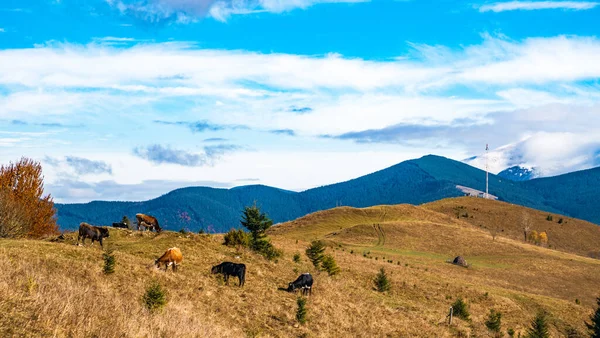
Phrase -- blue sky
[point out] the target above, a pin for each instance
(124, 99)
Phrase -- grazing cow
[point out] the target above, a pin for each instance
(94, 233)
(231, 269)
(304, 282)
(171, 256)
(148, 222)
(120, 225)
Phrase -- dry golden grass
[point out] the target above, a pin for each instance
(572, 235)
(58, 289)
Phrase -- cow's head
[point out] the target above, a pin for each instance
(291, 287)
(215, 269)
(103, 232)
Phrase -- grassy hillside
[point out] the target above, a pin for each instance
(58, 289)
(507, 220)
(427, 179)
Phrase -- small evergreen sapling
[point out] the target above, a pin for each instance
(155, 297)
(315, 253)
(594, 325)
(301, 311)
(330, 265)
(494, 322)
(381, 281)
(461, 310)
(109, 261)
(539, 327)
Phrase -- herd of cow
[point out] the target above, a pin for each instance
(173, 256)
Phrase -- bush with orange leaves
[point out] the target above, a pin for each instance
(24, 211)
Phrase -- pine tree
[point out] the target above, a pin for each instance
(315, 253)
(257, 223)
(460, 309)
(539, 327)
(328, 264)
(301, 311)
(381, 281)
(494, 322)
(594, 326)
(109, 261)
(155, 297)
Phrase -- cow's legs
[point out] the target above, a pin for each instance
(226, 279)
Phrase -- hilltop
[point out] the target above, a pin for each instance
(57, 288)
(419, 181)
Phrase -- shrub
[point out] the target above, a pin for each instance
(510, 332)
(534, 237)
(594, 325)
(543, 238)
(301, 311)
(381, 281)
(296, 258)
(539, 327)
(109, 261)
(460, 309)
(494, 322)
(314, 252)
(577, 301)
(24, 210)
(183, 231)
(560, 221)
(549, 218)
(265, 248)
(330, 265)
(155, 297)
(237, 238)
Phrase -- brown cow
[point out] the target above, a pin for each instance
(171, 256)
(94, 233)
(148, 222)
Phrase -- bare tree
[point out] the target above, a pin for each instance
(494, 233)
(526, 222)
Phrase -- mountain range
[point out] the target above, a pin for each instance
(418, 181)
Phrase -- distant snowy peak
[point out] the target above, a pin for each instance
(518, 173)
(539, 155)
(499, 159)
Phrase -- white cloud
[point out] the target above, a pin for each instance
(185, 11)
(498, 91)
(2, 30)
(537, 5)
(497, 61)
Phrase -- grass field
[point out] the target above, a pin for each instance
(58, 289)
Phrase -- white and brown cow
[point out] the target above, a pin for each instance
(172, 256)
(148, 222)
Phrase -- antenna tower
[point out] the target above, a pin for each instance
(486, 172)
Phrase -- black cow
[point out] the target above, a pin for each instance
(120, 225)
(304, 282)
(94, 233)
(231, 269)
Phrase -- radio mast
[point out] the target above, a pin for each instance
(486, 172)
